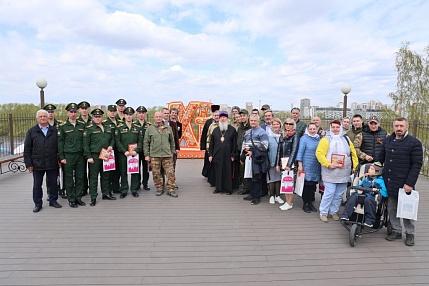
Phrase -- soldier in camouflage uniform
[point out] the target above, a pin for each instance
(143, 124)
(158, 146)
(86, 120)
(113, 122)
(128, 133)
(50, 108)
(95, 137)
(70, 153)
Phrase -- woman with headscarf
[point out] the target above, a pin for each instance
(273, 176)
(337, 156)
(288, 147)
(307, 162)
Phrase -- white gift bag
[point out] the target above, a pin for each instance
(133, 164)
(299, 184)
(248, 168)
(408, 205)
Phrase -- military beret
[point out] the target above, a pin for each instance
(121, 102)
(97, 111)
(141, 108)
(71, 107)
(129, 110)
(49, 107)
(111, 107)
(84, 104)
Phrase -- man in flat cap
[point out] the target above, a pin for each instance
(96, 137)
(85, 119)
(113, 122)
(128, 143)
(121, 103)
(143, 124)
(70, 153)
(222, 153)
(203, 140)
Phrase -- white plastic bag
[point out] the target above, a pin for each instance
(408, 205)
(248, 168)
(287, 182)
(299, 184)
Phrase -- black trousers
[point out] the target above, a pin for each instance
(37, 186)
(308, 192)
(255, 188)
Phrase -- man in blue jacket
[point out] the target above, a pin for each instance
(402, 155)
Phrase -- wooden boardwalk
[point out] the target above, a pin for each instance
(197, 239)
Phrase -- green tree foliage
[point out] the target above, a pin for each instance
(411, 99)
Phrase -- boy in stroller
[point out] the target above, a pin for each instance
(373, 180)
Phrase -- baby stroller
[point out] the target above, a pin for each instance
(355, 225)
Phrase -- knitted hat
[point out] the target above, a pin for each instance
(378, 168)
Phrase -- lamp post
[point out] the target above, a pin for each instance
(346, 90)
(42, 83)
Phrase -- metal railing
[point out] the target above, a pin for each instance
(14, 127)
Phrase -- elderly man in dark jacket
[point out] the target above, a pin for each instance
(402, 155)
(40, 157)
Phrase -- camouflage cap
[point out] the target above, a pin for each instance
(244, 111)
(129, 110)
(97, 111)
(141, 108)
(121, 102)
(374, 119)
(72, 107)
(83, 104)
(111, 107)
(50, 107)
(265, 107)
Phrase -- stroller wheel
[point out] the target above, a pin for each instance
(353, 236)
(389, 228)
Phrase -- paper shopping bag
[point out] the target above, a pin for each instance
(299, 184)
(287, 183)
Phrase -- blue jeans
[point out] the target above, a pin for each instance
(331, 199)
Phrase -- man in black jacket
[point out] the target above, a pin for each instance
(368, 142)
(40, 157)
(402, 155)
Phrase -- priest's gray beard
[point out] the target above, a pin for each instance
(223, 126)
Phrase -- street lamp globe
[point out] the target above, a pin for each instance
(41, 83)
(345, 89)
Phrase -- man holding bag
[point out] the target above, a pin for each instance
(402, 155)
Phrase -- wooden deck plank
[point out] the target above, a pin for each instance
(197, 239)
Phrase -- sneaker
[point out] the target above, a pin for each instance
(335, 217)
(344, 218)
(172, 194)
(272, 200)
(368, 224)
(285, 207)
(409, 241)
(279, 200)
(394, 236)
(159, 193)
(323, 218)
(255, 201)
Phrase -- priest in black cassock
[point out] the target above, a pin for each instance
(203, 141)
(222, 151)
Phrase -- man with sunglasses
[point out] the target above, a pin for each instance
(70, 153)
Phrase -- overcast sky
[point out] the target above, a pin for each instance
(156, 51)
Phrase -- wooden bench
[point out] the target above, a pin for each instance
(15, 163)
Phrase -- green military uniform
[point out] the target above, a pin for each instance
(120, 102)
(114, 175)
(51, 108)
(125, 135)
(70, 148)
(85, 105)
(143, 163)
(94, 139)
